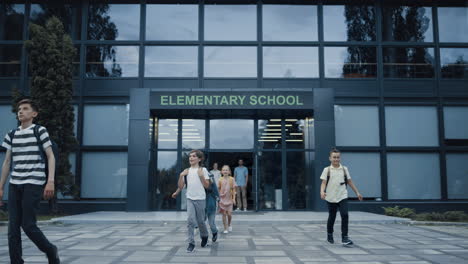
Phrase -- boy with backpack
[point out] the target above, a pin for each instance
(335, 179)
(28, 175)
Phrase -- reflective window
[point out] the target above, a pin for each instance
(455, 122)
(69, 15)
(357, 125)
(407, 23)
(230, 62)
(350, 62)
(104, 175)
(167, 130)
(289, 23)
(290, 62)
(299, 133)
(112, 61)
(106, 125)
(76, 62)
(269, 134)
(75, 123)
(450, 16)
(172, 22)
(114, 21)
(366, 177)
(413, 176)
(5, 188)
(457, 176)
(230, 22)
(193, 134)
(166, 180)
(167, 61)
(10, 60)
(411, 126)
(270, 187)
(454, 63)
(7, 121)
(231, 134)
(298, 170)
(349, 22)
(11, 21)
(408, 62)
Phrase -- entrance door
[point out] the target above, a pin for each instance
(231, 158)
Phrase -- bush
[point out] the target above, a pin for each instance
(399, 212)
(449, 216)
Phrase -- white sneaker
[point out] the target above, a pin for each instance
(245, 209)
(230, 228)
(225, 232)
(237, 210)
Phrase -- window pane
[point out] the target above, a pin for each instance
(193, 134)
(69, 15)
(457, 176)
(349, 23)
(411, 126)
(104, 175)
(230, 22)
(453, 24)
(454, 63)
(290, 62)
(407, 23)
(290, 23)
(231, 134)
(299, 133)
(106, 125)
(455, 122)
(10, 60)
(169, 61)
(5, 188)
(11, 21)
(172, 22)
(75, 123)
(230, 62)
(112, 61)
(166, 182)
(350, 62)
(114, 22)
(269, 134)
(366, 178)
(357, 125)
(299, 171)
(8, 121)
(167, 130)
(270, 188)
(413, 176)
(408, 62)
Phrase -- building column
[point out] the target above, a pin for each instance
(138, 151)
(324, 127)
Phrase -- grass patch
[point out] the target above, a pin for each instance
(449, 216)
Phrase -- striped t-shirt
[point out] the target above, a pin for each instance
(28, 166)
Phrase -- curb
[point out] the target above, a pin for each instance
(437, 223)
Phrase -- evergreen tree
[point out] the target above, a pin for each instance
(51, 54)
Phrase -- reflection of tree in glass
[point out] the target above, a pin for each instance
(360, 21)
(405, 23)
(11, 23)
(457, 69)
(100, 27)
(166, 184)
(68, 15)
(408, 63)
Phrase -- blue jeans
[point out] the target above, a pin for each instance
(211, 221)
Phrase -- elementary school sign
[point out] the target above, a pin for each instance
(231, 100)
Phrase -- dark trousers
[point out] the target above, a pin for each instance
(23, 205)
(332, 208)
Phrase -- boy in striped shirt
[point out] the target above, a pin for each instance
(27, 180)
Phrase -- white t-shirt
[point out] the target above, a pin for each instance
(195, 189)
(335, 190)
(216, 175)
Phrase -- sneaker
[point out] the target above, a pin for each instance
(54, 258)
(230, 228)
(346, 241)
(330, 238)
(190, 248)
(237, 209)
(225, 232)
(204, 241)
(245, 209)
(215, 237)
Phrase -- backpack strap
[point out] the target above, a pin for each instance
(39, 143)
(328, 179)
(345, 176)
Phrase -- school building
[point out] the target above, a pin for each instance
(276, 83)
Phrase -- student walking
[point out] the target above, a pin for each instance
(28, 176)
(216, 173)
(227, 194)
(212, 196)
(241, 174)
(335, 179)
(196, 179)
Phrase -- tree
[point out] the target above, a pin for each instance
(51, 54)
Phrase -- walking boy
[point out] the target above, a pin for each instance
(241, 175)
(335, 179)
(196, 179)
(26, 183)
